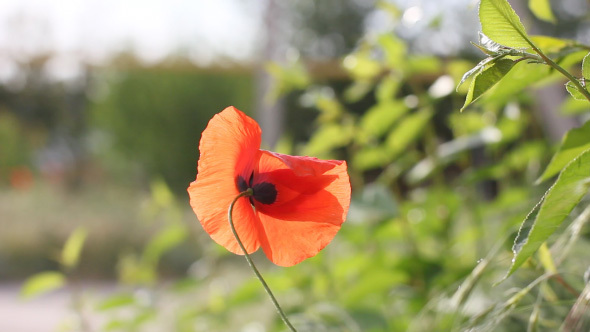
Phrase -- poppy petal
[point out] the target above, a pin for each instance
(229, 148)
(312, 201)
(290, 242)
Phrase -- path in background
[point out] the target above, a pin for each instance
(45, 313)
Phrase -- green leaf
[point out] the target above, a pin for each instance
(477, 69)
(357, 91)
(417, 65)
(573, 143)
(374, 282)
(379, 118)
(394, 49)
(571, 106)
(586, 66)
(370, 157)
(387, 88)
(546, 259)
(406, 132)
(520, 77)
(501, 24)
(542, 10)
(574, 92)
(290, 77)
(551, 44)
(361, 66)
(163, 242)
(486, 79)
(326, 138)
(42, 283)
(116, 301)
(70, 253)
(569, 188)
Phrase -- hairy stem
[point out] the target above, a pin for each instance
(246, 193)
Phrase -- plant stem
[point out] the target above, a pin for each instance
(563, 71)
(246, 193)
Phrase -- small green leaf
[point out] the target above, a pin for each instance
(42, 283)
(542, 10)
(569, 188)
(477, 69)
(486, 79)
(551, 44)
(375, 281)
(406, 132)
(521, 76)
(361, 66)
(370, 157)
(357, 91)
(163, 242)
(501, 24)
(116, 301)
(70, 253)
(546, 258)
(379, 118)
(417, 65)
(573, 143)
(571, 106)
(574, 92)
(394, 49)
(326, 138)
(586, 67)
(387, 88)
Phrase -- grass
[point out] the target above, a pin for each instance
(36, 222)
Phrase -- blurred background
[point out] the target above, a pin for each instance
(102, 104)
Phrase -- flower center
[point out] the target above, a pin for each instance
(263, 192)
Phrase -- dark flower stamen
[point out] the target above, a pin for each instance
(264, 192)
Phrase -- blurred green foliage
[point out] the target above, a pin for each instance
(155, 115)
(439, 195)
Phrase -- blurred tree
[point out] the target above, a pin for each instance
(327, 29)
(155, 115)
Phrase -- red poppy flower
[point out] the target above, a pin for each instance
(298, 203)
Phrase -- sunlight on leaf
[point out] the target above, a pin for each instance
(42, 283)
(574, 92)
(501, 24)
(546, 259)
(486, 79)
(407, 131)
(379, 118)
(116, 301)
(574, 142)
(394, 49)
(164, 241)
(551, 44)
(569, 188)
(542, 10)
(326, 138)
(70, 254)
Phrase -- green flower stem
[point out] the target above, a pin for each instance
(246, 193)
(563, 71)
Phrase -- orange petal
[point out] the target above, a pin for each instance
(290, 242)
(312, 201)
(229, 147)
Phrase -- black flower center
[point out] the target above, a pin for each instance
(263, 192)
